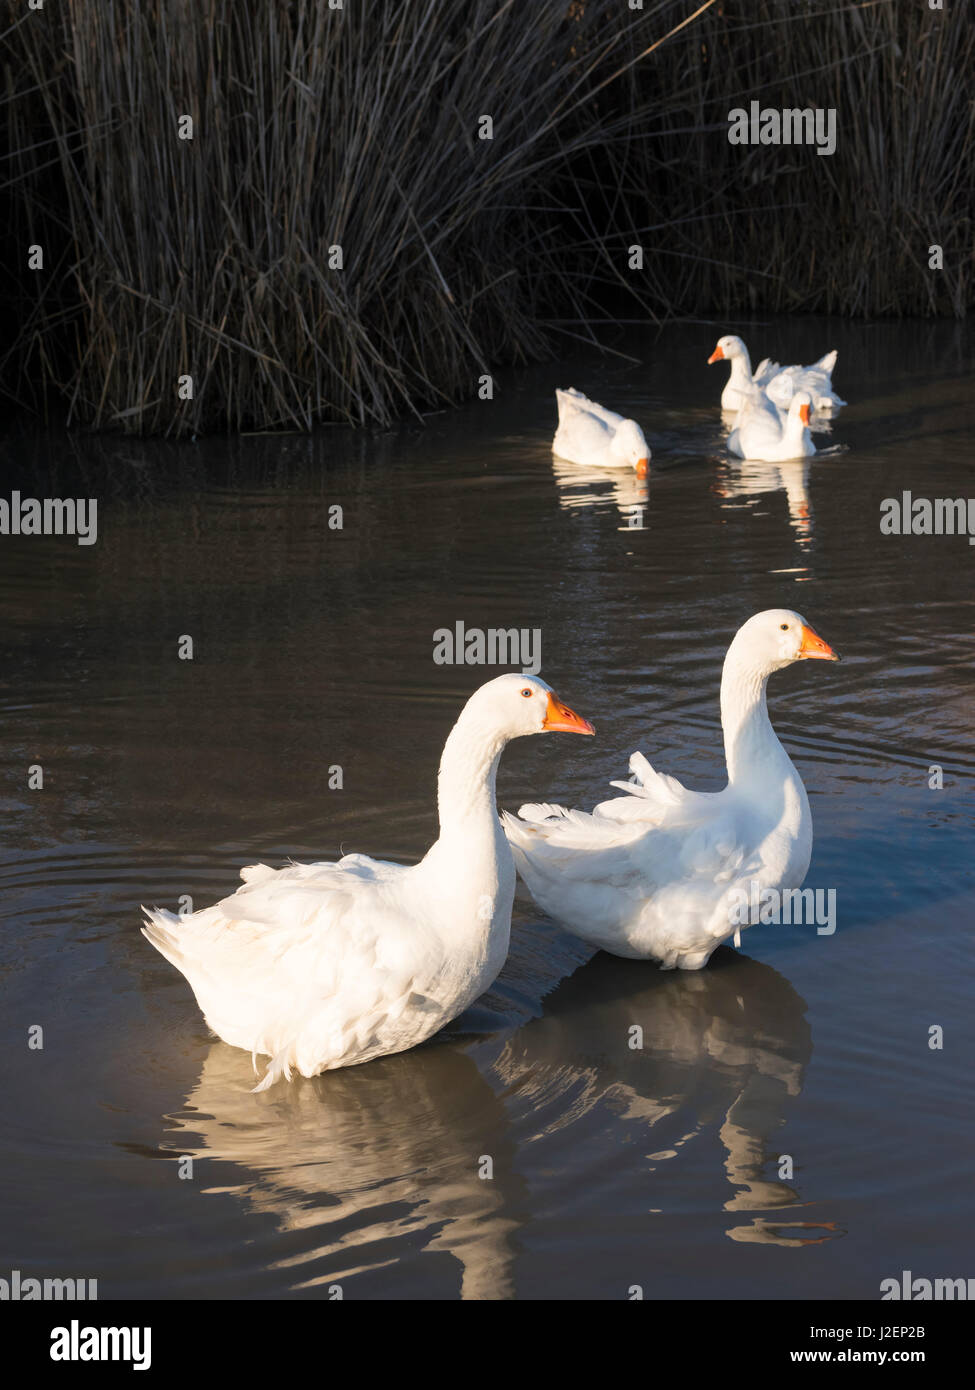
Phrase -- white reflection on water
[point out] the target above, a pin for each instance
(585, 487)
(365, 1161)
(750, 478)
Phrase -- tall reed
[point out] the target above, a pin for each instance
(741, 228)
(313, 129)
(214, 257)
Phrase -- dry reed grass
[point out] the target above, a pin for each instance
(771, 228)
(315, 128)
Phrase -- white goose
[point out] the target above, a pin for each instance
(766, 434)
(327, 965)
(658, 873)
(591, 435)
(816, 381)
(780, 383)
(742, 381)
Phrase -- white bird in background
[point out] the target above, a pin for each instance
(591, 435)
(816, 381)
(742, 381)
(766, 434)
(780, 383)
(659, 872)
(328, 965)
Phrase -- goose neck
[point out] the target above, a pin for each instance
(741, 367)
(466, 786)
(750, 742)
(794, 429)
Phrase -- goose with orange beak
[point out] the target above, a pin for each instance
(764, 433)
(661, 872)
(595, 437)
(741, 380)
(779, 383)
(318, 966)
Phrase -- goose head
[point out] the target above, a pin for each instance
(728, 348)
(513, 706)
(508, 707)
(630, 446)
(776, 638)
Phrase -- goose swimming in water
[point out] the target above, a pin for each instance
(328, 965)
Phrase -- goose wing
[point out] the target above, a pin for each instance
(594, 870)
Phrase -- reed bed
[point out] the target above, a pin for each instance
(214, 257)
(735, 229)
(313, 129)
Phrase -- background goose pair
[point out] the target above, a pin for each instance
(327, 965)
(773, 406)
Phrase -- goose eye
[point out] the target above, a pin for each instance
(528, 692)
(784, 627)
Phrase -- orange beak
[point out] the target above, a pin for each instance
(717, 355)
(815, 648)
(804, 414)
(642, 467)
(559, 719)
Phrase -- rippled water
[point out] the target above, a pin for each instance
(612, 1167)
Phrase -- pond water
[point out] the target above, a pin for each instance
(662, 1167)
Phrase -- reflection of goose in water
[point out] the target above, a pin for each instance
(371, 1165)
(750, 478)
(588, 487)
(366, 1164)
(727, 1046)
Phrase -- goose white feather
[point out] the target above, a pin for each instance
(328, 965)
(655, 873)
(591, 435)
(779, 383)
(766, 434)
(816, 381)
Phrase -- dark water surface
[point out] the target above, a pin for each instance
(612, 1167)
